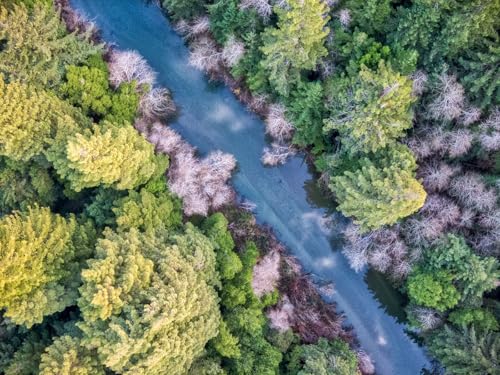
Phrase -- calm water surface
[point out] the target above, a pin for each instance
(211, 118)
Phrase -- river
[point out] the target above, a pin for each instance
(212, 118)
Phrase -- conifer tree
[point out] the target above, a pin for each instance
(37, 45)
(24, 184)
(381, 190)
(66, 356)
(374, 112)
(30, 119)
(109, 155)
(148, 301)
(41, 256)
(296, 44)
(464, 351)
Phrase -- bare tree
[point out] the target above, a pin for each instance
(266, 274)
(469, 116)
(262, 7)
(205, 55)
(233, 51)
(199, 26)
(471, 192)
(429, 319)
(282, 315)
(419, 82)
(448, 102)
(365, 363)
(458, 142)
(276, 154)
(489, 136)
(201, 183)
(130, 66)
(344, 17)
(277, 126)
(157, 104)
(436, 176)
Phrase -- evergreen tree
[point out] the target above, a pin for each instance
(148, 301)
(41, 256)
(306, 113)
(324, 358)
(25, 184)
(381, 190)
(296, 44)
(36, 45)
(374, 112)
(482, 74)
(30, 120)
(184, 9)
(66, 356)
(147, 212)
(110, 155)
(464, 351)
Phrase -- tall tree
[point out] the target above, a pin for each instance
(381, 190)
(109, 155)
(36, 45)
(30, 119)
(296, 44)
(41, 256)
(373, 112)
(464, 351)
(148, 301)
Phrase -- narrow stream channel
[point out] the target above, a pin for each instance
(212, 118)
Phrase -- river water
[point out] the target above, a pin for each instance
(212, 118)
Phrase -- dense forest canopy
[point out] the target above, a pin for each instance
(113, 257)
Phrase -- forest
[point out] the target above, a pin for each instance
(122, 251)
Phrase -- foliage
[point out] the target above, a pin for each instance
(475, 275)
(147, 212)
(374, 112)
(44, 252)
(148, 301)
(324, 358)
(228, 262)
(66, 356)
(380, 190)
(88, 88)
(37, 46)
(25, 184)
(110, 155)
(434, 290)
(465, 351)
(482, 72)
(297, 43)
(226, 19)
(184, 9)
(482, 319)
(30, 120)
(305, 110)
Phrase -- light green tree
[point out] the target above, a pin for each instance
(148, 301)
(30, 119)
(108, 155)
(41, 256)
(147, 212)
(434, 290)
(66, 356)
(381, 190)
(373, 112)
(296, 44)
(37, 46)
(324, 358)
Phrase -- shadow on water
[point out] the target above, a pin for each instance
(287, 197)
